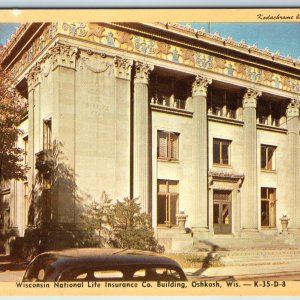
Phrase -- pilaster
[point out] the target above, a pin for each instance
(141, 174)
(292, 199)
(61, 61)
(200, 153)
(250, 198)
(122, 70)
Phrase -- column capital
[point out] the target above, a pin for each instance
(200, 85)
(63, 55)
(250, 98)
(123, 67)
(34, 76)
(142, 71)
(293, 108)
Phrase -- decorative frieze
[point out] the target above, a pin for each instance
(293, 108)
(250, 98)
(200, 86)
(101, 34)
(142, 71)
(123, 68)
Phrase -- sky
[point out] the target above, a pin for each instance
(284, 37)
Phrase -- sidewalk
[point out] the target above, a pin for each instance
(240, 272)
(11, 268)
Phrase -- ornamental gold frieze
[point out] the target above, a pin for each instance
(100, 34)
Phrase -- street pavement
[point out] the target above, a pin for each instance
(12, 269)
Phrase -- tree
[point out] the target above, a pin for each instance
(12, 110)
(96, 220)
(131, 228)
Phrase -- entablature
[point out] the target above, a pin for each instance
(186, 57)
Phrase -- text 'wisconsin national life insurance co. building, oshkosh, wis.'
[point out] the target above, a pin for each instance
(203, 129)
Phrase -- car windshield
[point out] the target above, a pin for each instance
(38, 270)
(126, 273)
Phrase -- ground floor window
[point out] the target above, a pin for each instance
(167, 202)
(268, 207)
(222, 211)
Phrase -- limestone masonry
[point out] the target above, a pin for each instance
(204, 130)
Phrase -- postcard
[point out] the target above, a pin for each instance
(150, 152)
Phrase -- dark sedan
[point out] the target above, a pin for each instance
(103, 265)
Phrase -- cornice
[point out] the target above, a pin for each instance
(228, 42)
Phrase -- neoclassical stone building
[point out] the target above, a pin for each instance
(191, 123)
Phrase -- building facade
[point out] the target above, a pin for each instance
(196, 126)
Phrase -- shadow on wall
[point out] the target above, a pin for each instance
(55, 205)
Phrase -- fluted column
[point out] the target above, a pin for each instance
(200, 154)
(141, 176)
(293, 198)
(250, 197)
(123, 79)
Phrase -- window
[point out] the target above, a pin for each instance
(267, 157)
(25, 140)
(268, 207)
(167, 202)
(223, 103)
(47, 134)
(167, 145)
(270, 113)
(221, 151)
(168, 91)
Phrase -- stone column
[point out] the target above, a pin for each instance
(141, 175)
(200, 154)
(249, 197)
(292, 198)
(123, 76)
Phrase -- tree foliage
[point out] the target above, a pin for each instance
(97, 218)
(131, 228)
(120, 225)
(12, 110)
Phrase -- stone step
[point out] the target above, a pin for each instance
(258, 257)
(260, 253)
(246, 261)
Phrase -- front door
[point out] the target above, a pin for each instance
(222, 212)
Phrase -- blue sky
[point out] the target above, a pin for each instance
(284, 37)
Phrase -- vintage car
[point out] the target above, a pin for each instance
(92, 264)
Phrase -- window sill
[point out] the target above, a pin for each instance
(268, 228)
(171, 110)
(225, 120)
(168, 160)
(222, 166)
(271, 128)
(163, 226)
(268, 171)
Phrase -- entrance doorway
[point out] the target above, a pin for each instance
(268, 207)
(222, 211)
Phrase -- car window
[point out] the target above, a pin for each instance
(91, 275)
(155, 274)
(108, 274)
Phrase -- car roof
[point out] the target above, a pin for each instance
(104, 257)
